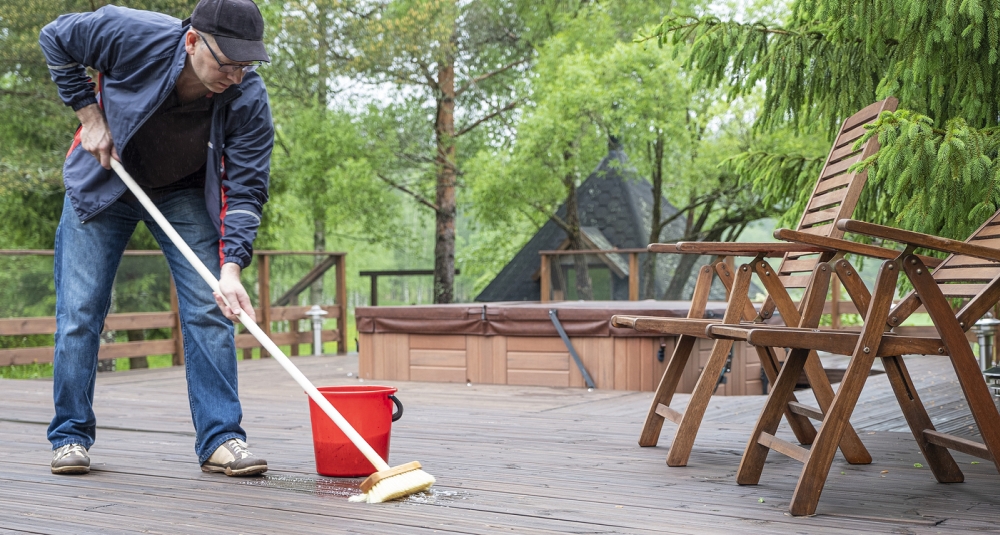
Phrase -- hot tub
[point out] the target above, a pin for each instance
(517, 344)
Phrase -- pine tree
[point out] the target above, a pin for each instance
(937, 171)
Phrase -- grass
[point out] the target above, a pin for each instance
(26, 371)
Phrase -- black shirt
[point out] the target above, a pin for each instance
(170, 149)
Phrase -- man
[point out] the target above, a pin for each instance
(181, 105)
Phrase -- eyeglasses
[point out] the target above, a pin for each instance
(229, 68)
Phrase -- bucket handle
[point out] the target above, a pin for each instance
(399, 408)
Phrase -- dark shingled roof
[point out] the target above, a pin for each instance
(615, 201)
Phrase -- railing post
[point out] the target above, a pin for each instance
(342, 304)
(374, 300)
(546, 279)
(264, 286)
(177, 334)
(633, 276)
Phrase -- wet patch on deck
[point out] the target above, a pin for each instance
(344, 488)
(340, 488)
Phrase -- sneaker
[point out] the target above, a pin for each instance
(70, 459)
(234, 459)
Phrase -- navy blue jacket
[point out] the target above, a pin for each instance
(140, 55)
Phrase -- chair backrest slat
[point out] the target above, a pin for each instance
(826, 201)
(794, 281)
(840, 167)
(961, 290)
(798, 266)
(965, 277)
(834, 183)
(822, 215)
(822, 230)
(848, 138)
(837, 189)
(840, 153)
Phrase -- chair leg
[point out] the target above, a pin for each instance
(801, 426)
(817, 466)
(981, 404)
(687, 429)
(941, 463)
(650, 434)
(970, 377)
(837, 418)
(851, 446)
(752, 463)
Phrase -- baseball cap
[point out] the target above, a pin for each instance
(237, 26)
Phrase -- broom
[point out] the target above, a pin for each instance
(387, 483)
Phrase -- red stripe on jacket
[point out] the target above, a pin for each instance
(222, 213)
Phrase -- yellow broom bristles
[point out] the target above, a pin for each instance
(396, 486)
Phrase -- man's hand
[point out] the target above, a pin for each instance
(95, 136)
(230, 286)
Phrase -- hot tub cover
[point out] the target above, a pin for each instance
(579, 318)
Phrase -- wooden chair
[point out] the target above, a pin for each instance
(972, 275)
(834, 197)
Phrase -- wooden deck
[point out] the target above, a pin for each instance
(508, 460)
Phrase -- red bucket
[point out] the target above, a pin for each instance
(369, 410)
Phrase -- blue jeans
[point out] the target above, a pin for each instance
(86, 259)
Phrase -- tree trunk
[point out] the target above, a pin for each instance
(685, 266)
(655, 154)
(444, 128)
(319, 221)
(319, 245)
(682, 273)
(584, 287)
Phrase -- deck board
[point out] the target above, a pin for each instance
(513, 459)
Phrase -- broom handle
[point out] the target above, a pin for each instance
(255, 330)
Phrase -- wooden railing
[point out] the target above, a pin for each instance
(394, 273)
(549, 258)
(267, 313)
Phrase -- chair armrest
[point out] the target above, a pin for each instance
(920, 240)
(840, 244)
(734, 249)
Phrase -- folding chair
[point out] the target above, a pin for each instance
(971, 274)
(834, 196)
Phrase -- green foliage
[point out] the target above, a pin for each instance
(323, 159)
(35, 127)
(937, 169)
(328, 156)
(26, 371)
(783, 180)
(939, 181)
(560, 136)
(28, 288)
(588, 85)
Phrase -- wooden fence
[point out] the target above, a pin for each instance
(267, 313)
(393, 273)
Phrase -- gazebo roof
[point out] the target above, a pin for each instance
(614, 201)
